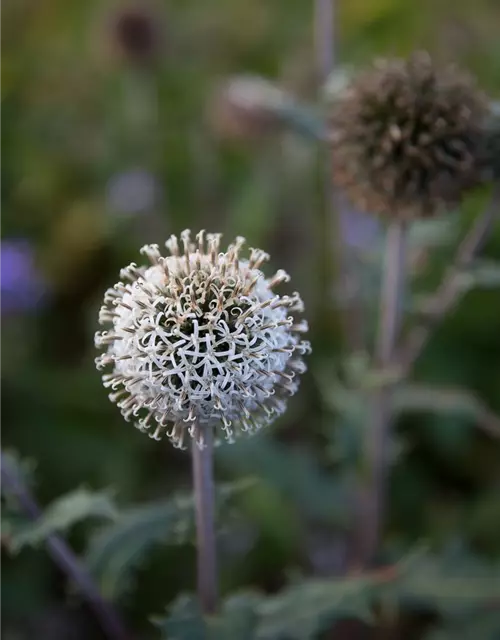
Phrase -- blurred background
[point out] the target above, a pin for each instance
(118, 131)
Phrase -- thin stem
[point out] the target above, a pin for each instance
(324, 36)
(65, 559)
(205, 523)
(372, 495)
(347, 281)
(450, 290)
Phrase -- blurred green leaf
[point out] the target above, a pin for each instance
(63, 513)
(450, 584)
(119, 548)
(446, 402)
(482, 273)
(186, 621)
(484, 626)
(294, 473)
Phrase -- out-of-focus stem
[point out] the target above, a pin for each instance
(205, 523)
(347, 281)
(373, 482)
(65, 559)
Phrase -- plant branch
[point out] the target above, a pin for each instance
(205, 523)
(372, 494)
(65, 559)
(450, 290)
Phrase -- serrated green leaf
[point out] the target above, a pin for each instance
(62, 514)
(118, 548)
(301, 612)
(184, 622)
(236, 620)
(452, 582)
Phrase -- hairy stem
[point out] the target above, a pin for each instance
(65, 559)
(450, 290)
(372, 494)
(205, 523)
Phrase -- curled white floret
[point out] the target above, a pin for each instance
(199, 340)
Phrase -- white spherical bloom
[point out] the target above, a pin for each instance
(199, 341)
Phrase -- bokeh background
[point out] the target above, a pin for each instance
(117, 132)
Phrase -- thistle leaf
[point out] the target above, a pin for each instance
(62, 514)
(120, 547)
(187, 622)
(485, 626)
(449, 401)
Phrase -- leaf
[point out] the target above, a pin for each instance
(301, 612)
(236, 620)
(118, 548)
(61, 515)
(485, 626)
(481, 273)
(453, 583)
(12, 522)
(447, 401)
(18, 468)
(294, 473)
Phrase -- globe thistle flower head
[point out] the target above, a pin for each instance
(199, 340)
(405, 137)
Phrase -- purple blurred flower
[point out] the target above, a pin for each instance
(132, 191)
(22, 286)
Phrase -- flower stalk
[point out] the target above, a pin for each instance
(372, 494)
(205, 523)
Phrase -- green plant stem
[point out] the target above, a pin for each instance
(65, 559)
(374, 471)
(205, 523)
(450, 289)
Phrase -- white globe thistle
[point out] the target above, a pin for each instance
(199, 341)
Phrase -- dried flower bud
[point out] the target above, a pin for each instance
(137, 34)
(406, 137)
(199, 340)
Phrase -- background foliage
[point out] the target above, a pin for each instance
(103, 153)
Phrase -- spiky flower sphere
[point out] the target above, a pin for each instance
(199, 340)
(406, 136)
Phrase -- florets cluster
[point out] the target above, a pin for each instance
(198, 340)
(406, 137)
